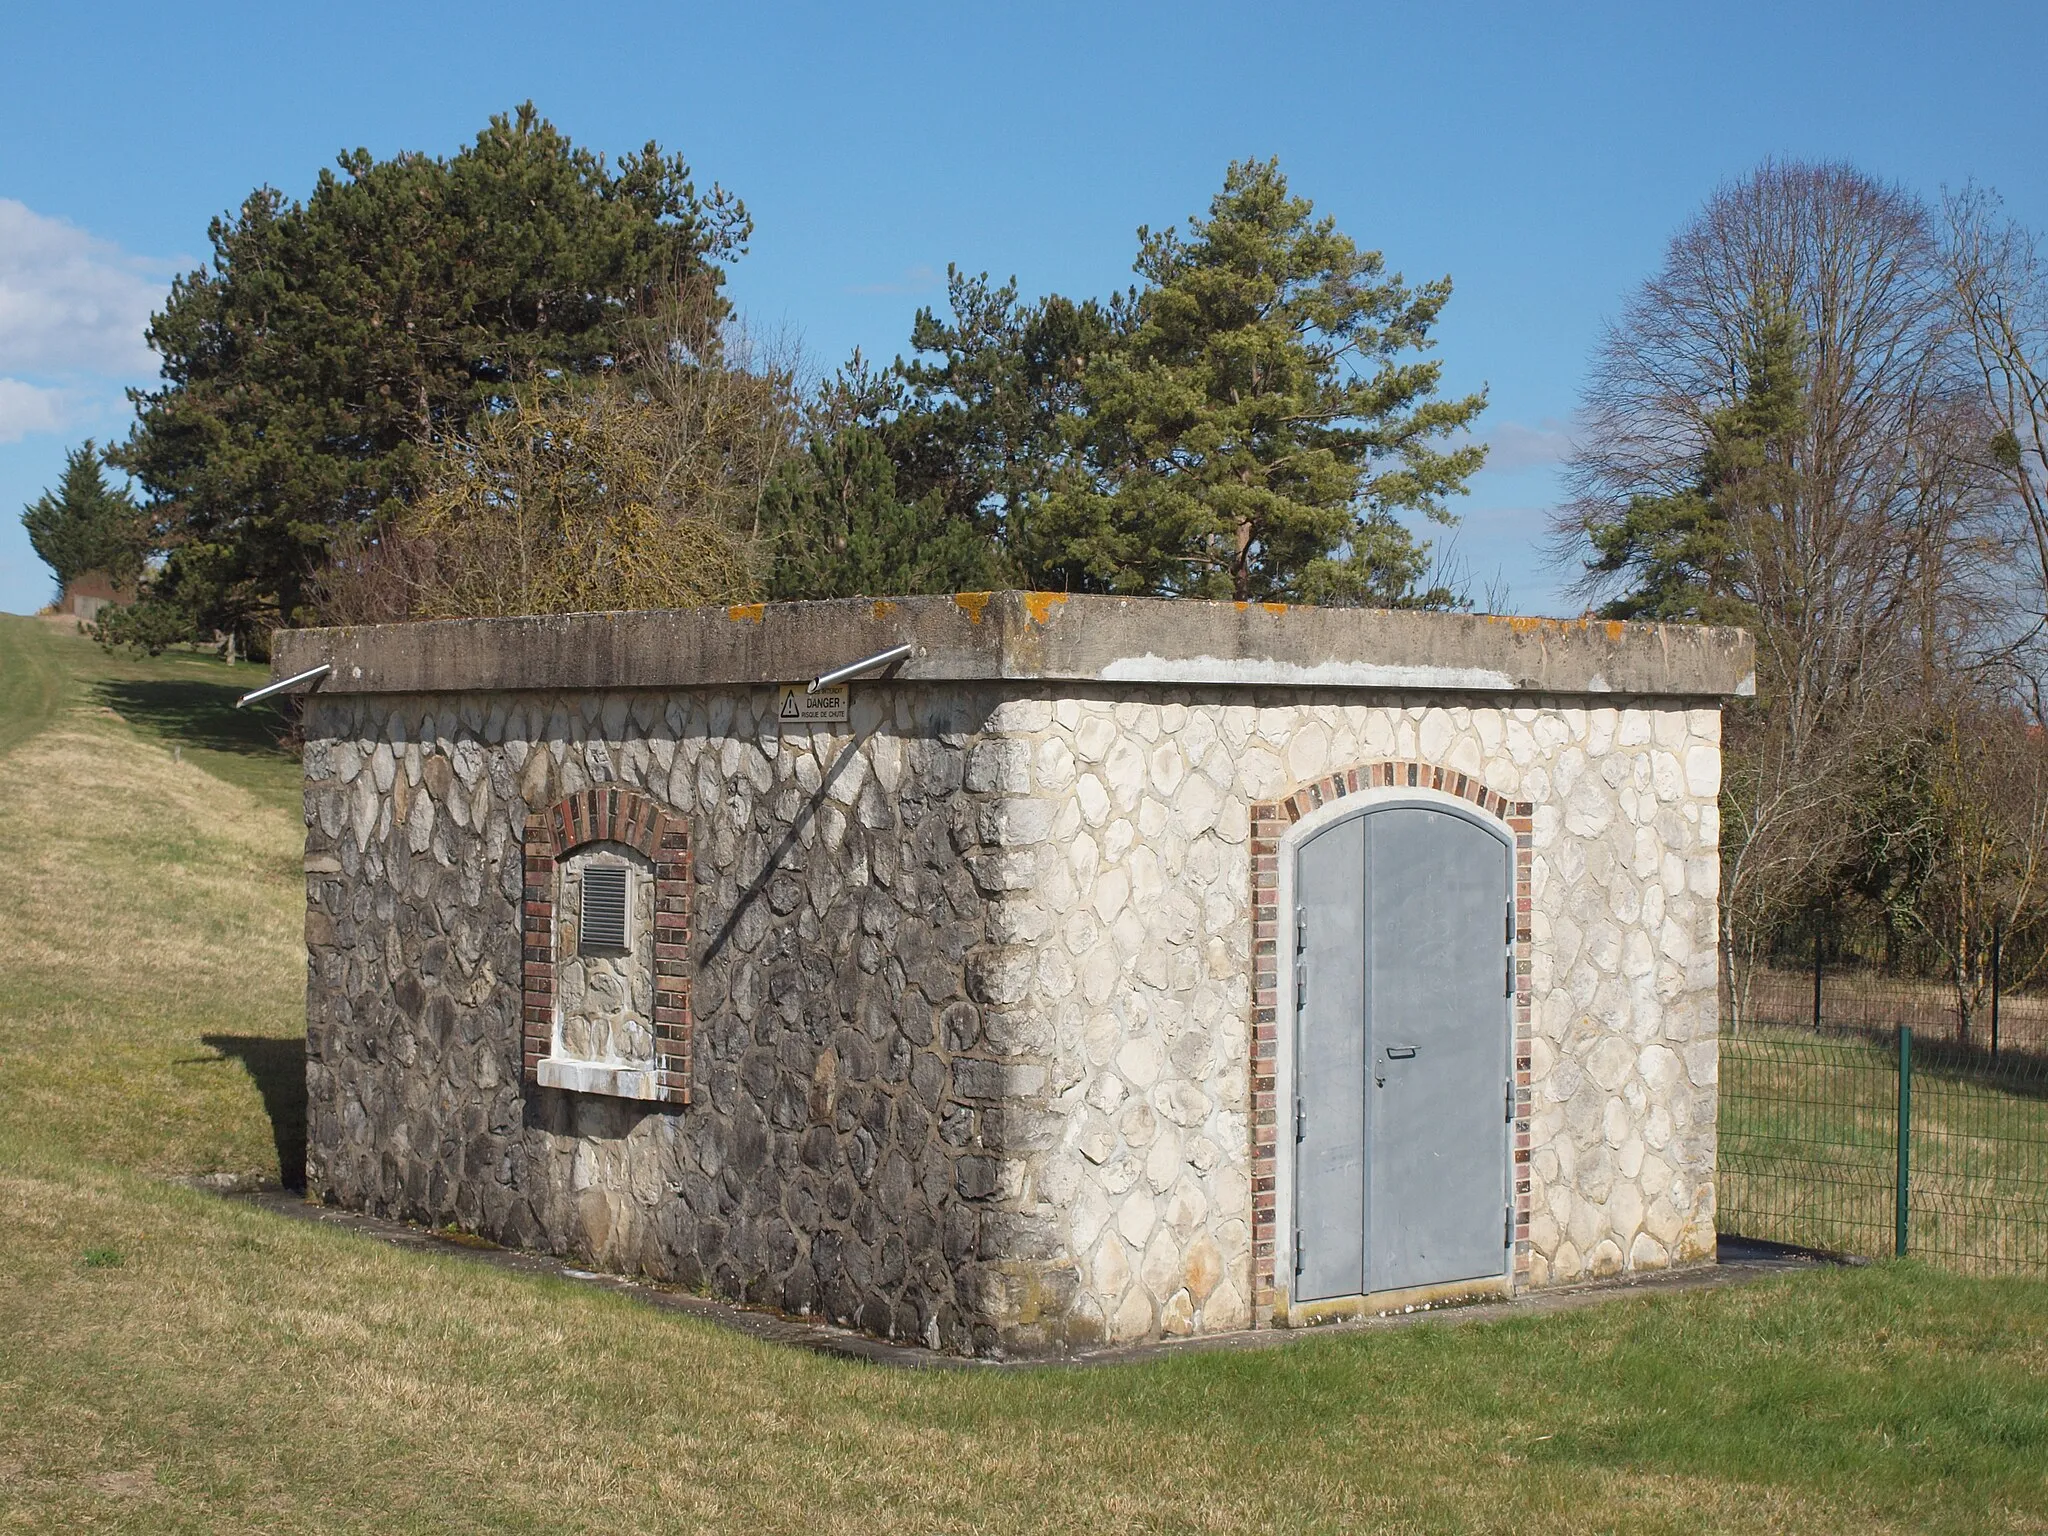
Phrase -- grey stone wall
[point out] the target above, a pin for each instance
(842, 1154)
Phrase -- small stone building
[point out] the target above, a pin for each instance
(91, 593)
(1109, 969)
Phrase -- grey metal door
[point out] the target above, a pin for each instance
(1329, 1063)
(1403, 1063)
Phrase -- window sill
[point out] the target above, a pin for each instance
(598, 1077)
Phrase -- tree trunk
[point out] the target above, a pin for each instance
(1728, 973)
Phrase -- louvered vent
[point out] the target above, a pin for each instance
(601, 928)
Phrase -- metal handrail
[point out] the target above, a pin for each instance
(291, 682)
(879, 659)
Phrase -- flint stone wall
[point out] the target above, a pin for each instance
(972, 988)
(843, 1147)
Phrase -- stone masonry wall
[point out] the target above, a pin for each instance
(1127, 912)
(839, 1157)
(972, 992)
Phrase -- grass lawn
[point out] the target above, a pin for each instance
(170, 1361)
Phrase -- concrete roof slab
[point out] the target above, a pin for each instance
(1031, 636)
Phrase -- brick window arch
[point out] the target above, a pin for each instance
(618, 815)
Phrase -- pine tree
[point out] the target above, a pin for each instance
(310, 365)
(1687, 554)
(837, 528)
(1264, 422)
(991, 424)
(86, 525)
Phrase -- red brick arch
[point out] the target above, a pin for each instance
(618, 814)
(1271, 820)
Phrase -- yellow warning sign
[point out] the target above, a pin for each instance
(827, 706)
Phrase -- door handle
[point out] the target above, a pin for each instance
(1391, 1053)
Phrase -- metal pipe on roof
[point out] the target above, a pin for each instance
(879, 659)
(291, 682)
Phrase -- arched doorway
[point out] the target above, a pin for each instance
(1403, 941)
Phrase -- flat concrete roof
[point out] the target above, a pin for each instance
(1031, 636)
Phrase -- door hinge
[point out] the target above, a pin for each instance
(1300, 1120)
(1511, 922)
(1507, 1226)
(1300, 987)
(1510, 1083)
(1511, 976)
(1300, 929)
(1297, 1253)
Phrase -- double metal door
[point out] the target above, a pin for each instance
(1403, 940)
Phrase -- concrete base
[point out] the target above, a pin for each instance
(1750, 1263)
(1348, 1309)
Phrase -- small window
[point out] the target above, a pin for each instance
(601, 926)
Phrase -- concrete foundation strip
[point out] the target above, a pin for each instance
(1741, 1263)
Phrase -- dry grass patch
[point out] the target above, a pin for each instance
(158, 956)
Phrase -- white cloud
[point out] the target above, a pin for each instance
(1518, 445)
(71, 303)
(27, 408)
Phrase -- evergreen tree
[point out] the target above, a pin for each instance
(1262, 423)
(1252, 422)
(1687, 555)
(836, 527)
(992, 411)
(328, 343)
(1681, 554)
(86, 525)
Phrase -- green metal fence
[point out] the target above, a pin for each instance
(1883, 1142)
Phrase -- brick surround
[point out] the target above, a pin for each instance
(1270, 821)
(617, 814)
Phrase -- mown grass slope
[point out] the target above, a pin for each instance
(170, 1361)
(150, 956)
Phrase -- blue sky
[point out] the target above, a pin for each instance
(1541, 156)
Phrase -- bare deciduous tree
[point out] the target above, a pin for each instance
(1850, 552)
(1998, 280)
(637, 488)
(1956, 844)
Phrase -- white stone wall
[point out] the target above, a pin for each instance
(1124, 849)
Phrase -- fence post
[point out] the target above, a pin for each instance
(1816, 979)
(1905, 1175)
(1996, 944)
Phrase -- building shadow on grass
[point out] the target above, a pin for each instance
(199, 714)
(279, 1069)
